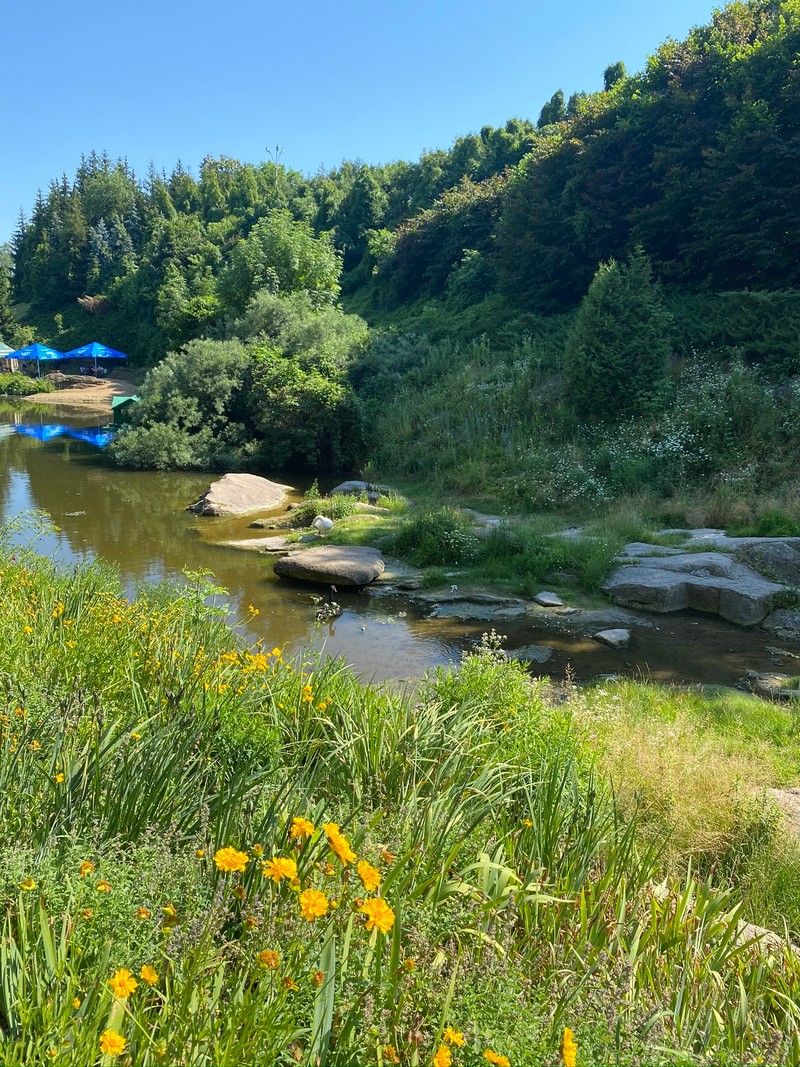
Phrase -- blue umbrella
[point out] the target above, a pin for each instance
(37, 352)
(43, 433)
(94, 350)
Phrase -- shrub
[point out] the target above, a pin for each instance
(436, 537)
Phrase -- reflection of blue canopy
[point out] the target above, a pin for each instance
(96, 351)
(43, 433)
(97, 435)
(37, 352)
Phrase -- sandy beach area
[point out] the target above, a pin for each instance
(88, 397)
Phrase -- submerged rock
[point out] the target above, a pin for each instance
(239, 494)
(334, 564)
(614, 638)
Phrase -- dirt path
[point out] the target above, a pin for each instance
(87, 397)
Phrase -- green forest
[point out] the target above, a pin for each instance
(563, 310)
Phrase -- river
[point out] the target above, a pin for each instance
(136, 520)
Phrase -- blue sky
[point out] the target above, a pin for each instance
(161, 80)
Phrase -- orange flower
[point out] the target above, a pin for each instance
(409, 965)
(443, 1057)
(379, 915)
(569, 1049)
(453, 1037)
(143, 913)
(369, 875)
(278, 868)
(338, 843)
(122, 983)
(318, 977)
(390, 1054)
(87, 913)
(313, 904)
(147, 974)
(103, 886)
(112, 1043)
(496, 1059)
(289, 982)
(268, 958)
(87, 867)
(230, 859)
(301, 827)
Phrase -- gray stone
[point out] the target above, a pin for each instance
(355, 488)
(784, 623)
(549, 600)
(614, 638)
(240, 494)
(638, 549)
(706, 581)
(779, 560)
(332, 564)
(531, 654)
(774, 685)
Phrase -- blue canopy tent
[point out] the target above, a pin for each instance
(43, 433)
(37, 352)
(94, 350)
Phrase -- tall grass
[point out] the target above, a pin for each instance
(483, 879)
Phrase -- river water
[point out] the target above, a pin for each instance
(136, 520)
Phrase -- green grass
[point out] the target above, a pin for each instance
(140, 739)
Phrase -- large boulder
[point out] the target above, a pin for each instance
(779, 560)
(332, 564)
(706, 581)
(240, 494)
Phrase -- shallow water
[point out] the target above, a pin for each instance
(136, 521)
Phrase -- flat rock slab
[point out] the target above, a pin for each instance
(706, 581)
(355, 488)
(266, 545)
(784, 624)
(531, 654)
(549, 600)
(332, 564)
(240, 494)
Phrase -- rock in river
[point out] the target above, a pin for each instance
(240, 494)
(337, 564)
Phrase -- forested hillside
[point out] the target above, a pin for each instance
(680, 182)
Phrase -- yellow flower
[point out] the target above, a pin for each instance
(112, 1043)
(28, 629)
(35, 746)
(313, 904)
(453, 1037)
(276, 652)
(147, 974)
(170, 916)
(369, 875)
(409, 965)
(142, 913)
(229, 859)
(496, 1059)
(28, 885)
(569, 1049)
(122, 984)
(318, 977)
(337, 843)
(278, 868)
(443, 1057)
(321, 706)
(379, 914)
(58, 610)
(134, 736)
(268, 958)
(387, 856)
(251, 923)
(59, 778)
(103, 886)
(301, 827)
(199, 852)
(390, 1054)
(252, 610)
(87, 913)
(76, 1002)
(289, 982)
(85, 868)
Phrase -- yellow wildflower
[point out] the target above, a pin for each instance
(321, 706)
(134, 736)
(409, 965)
(289, 982)
(103, 886)
(59, 778)
(338, 843)
(87, 913)
(443, 1057)
(229, 859)
(28, 885)
(569, 1049)
(387, 856)
(390, 1054)
(122, 984)
(112, 1043)
(76, 1002)
(313, 904)
(369, 875)
(278, 868)
(379, 914)
(251, 923)
(148, 974)
(453, 1037)
(142, 913)
(85, 868)
(268, 958)
(276, 652)
(496, 1059)
(301, 827)
(35, 746)
(308, 694)
(252, 610)
(318, 977)
(28, 629)
(200, 853)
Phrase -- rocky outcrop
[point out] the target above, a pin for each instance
(706, 581)
(332, 564)
(355, 487)
(240, 494)
(778, 560)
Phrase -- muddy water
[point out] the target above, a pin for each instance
(136, 521)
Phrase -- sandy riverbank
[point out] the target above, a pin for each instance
(91, 397)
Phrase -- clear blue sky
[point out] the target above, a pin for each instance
(164, 80)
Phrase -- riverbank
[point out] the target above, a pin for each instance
(88, 396)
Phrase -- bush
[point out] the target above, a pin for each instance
(21, 385)
(436, 537)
